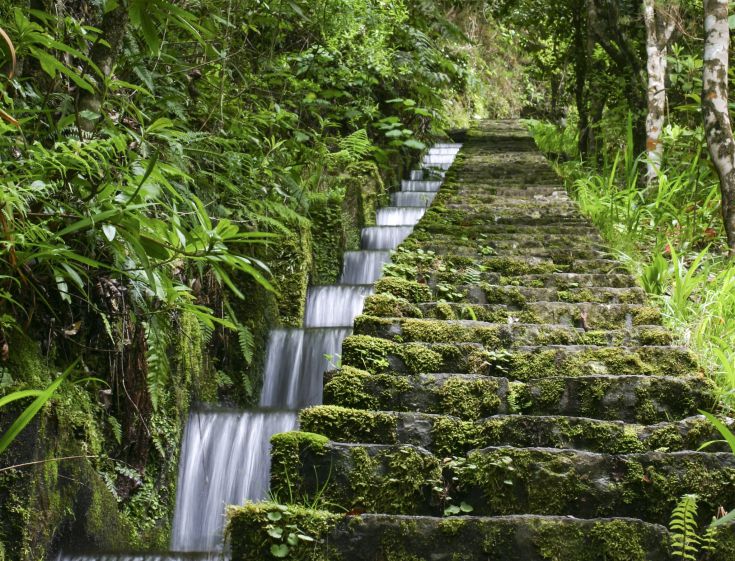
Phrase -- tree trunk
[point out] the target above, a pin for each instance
(659, 30)
(717, 125)
(104, 54)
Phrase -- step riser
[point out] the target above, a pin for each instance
(504, 481)
(632, 399)
(489, 358)
(448, 436)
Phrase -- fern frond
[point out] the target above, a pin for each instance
(685, 540)
(157, 362)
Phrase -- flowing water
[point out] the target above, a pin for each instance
(363, 267)
(398, 216)
(225, 456)
(384, 237)
(224, 460)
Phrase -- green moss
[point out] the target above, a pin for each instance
(349, 425)
(369, 353)
(454, 437)
(444, 310)
(420, 359)
(288, 451)
(290, 262)
(389, 306)
(647, 316)
(469, 399)
(348, 387)
(411, 291)
(328, 235)
(248, 527)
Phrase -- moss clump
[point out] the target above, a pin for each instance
(420, 359)
(328, 235)
(347, 387)
(290, 263)
(248, 530)
(390, 306)
(288, 451)
(349, 425)
(369, 353)
(647, 316)
(398, 480)
(350, 387)
(469, 399)
(411, 291)
(454, 437)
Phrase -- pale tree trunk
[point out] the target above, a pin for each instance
(717, 125)
(659, 30)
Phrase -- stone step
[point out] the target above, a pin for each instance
(591, 316)
(405, 479)
(497, 335)
(376, 537)
(442, 221)
(514, 265)
(521, 363)
(468, 285)
(472, 248)
(632, 399)
(522, 296)
(449, 436)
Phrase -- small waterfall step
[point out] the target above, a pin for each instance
(363, 267)
(420, 185)
(384, 237)
(295, 362)
(225, 459)
(335, 305)
(399, 216)
(425, 173)
(421, 199)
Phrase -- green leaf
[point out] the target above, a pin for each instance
(15, 396)
(413, 143)
(276, 533)
(274, 516)
(726, 433)
(729, 517)
(279, 550)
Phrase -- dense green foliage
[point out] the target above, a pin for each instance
(163, 163)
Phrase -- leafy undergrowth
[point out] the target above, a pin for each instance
(670, 235)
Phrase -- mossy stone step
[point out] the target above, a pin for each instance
(592, 316)
(447, 436)
(480, 248)
(405, 479)
(489, 357)
(376, 537)
(632, 399)
(442, 222)
(500, 335)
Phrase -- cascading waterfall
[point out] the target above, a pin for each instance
(363, 266)
(218, 444)
(225, 455)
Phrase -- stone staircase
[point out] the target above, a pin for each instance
(508, 394)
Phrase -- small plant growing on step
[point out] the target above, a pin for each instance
(288, 536)
(686, 542)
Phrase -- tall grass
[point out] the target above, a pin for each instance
(669, 234)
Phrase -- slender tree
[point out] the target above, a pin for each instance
(717, 125)
(660, 26)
